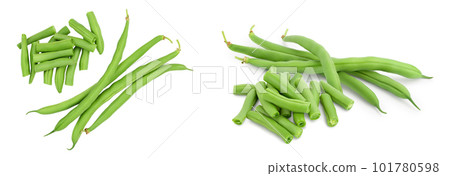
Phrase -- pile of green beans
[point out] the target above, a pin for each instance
(49, 56)
(89, 101)
(282, 96)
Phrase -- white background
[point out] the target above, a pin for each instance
(163, 138)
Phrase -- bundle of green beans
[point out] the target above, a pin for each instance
(61, 53)
(86, 103)
(281, 96)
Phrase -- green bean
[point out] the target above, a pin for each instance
(274, 80)
(302, 87)
(64, 31)
(48, 75)
(95, 28)
(284, 78)
(250, 100)
(38, 36)
(24, 62)
(77, 42)
(32, 53)
(261, 53)
(124, 65)
(98, 87)
(299, 119)
(84, 60)
(361, 89)
(315, 90)
(281, 101)
(271, 125)
(242, 89)
(280, 48)
(70, 72)
(54, 46)
(80, 29)
(295, 130)
(337, 96)
(385, 83)
(330, 110)
(318, 50)
(270, 108)
(52, 55)
(47, 65)
(59, 78)
(127, 93)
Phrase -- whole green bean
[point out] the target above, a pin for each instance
(330, 110)
(59, 78)
(38, 36)
(70, 72)
(48, 74)
(281, 101)
(80, 29)
(385, 83)
(361, 89)
(271, 125)
(270, 108)
(261, 53)
(295, 130)
(329, 69)
(299, 119)
(250, 100)
(242, 89)
(274, 80)
(84, 60)
(127, 93)
(24, 62)
(52, 55)
(95, 28)
(337, 96)
(54, 46)
(124, 65)
(32, 53)
(99, 86)
(47, 65)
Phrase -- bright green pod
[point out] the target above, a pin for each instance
(32, 65)
(337, 96)
(95, 28)
(286, 89)
(80, 29)
(285, 77)
(83, 44)
(330, 110)
(302, 87)
(281, 101)
(242, 89)
(63, 31)
(84, 60)
(70, 72)
(315, 90)
(271, 125)
(47, 65)
(250, 100)
(42, 57)
(54, 46)
(270, 108)
(48, 74)
(38, 36)
(59, 78)
(295, 130)
(24, 62)
(299, 119)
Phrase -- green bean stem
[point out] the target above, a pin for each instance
(270, 108)
(281, 101)
(59, 78)
(271, 125)
(52, 55)
(24, 62)
(127, 93)
(99, 86)
(361, 89)
(250, 100)
(80, 29)
(38, 36)
(242, 89)
(54, 46)
(32, 65)
(70, 72)
(337, 96)
(47, 65)
(84, 60)
(95, 28)
(330, 110)
(124, 65)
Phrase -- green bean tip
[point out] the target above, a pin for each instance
(427, 77)
(237, 122)
(128, 17)
(179, 46)
(285, 33)
(410, 100)
(30, 112)
(379, 109)
(49, 133)
(164, 37)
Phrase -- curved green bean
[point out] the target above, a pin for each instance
(54, 46)
(270, 108)
(242, 89)
(47, 65)
(24, 62)
(127, 93)
(361, 89)
(95, 28)
(281, 101)
(271, 125)
(59, 78)
(98, 87)
(337, 96)
(329, 69)
(124, 65)
(250, 100)
(295, 130)
(32, 53)
(330, 110)
(52, 55)
(84, 60)
(70, 72)
(38, 36)
(80, 29)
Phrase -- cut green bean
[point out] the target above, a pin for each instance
(270, 108)
(59, 78)
(64, 31)
(299, 119)
(330, 110)
(242, 89)
(47, 65)
(284, 78)
(271, 125)
(315, 90)
(77, 42)
(250, 100)
(24, 61)
(302, 87)
(48, 75)
(84, 60)
(52, 55)
(274, 80)
(385, 83)
(337, 96)
(124, 65)
(32, 53)
(38, 36)
(54, 46)
(295, 130)
(361, 89)
(281, 101)
(80, 29)
(70, 71)
(95, 28)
